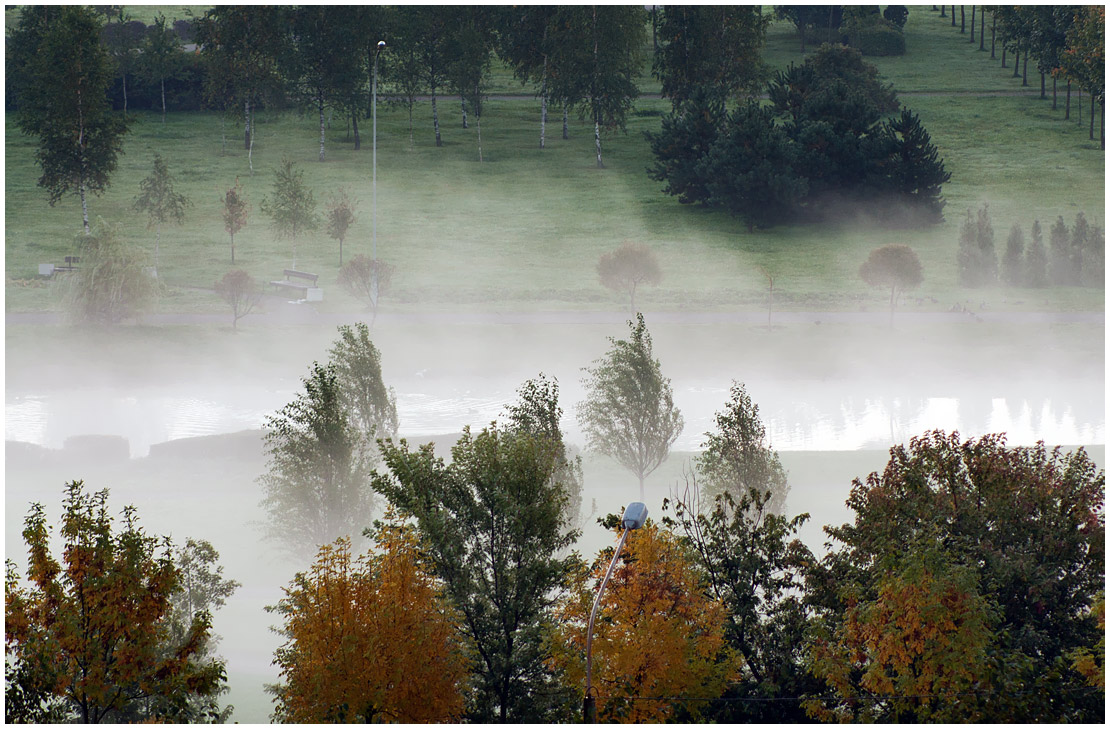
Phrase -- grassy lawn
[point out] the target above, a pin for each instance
(523, 229)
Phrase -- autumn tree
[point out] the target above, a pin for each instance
(370, 639)
(340, 217)
(629, 413)
(89, 638)
(358, 364)
(241, 292)
(317, 486)
(367, 279)
(756, 567)
(736, 458)
(111, 284)
(625, 268)
(160, 201)
(291, 206)
(896, 266)
(62, 74)
(235, 213)
(657, 633)
(492, 522)
(967, 575)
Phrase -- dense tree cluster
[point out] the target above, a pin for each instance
(1073, 257)
(823, 143)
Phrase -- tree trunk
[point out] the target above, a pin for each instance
(994, 20)
(597, 139)
(1091, 135)
(1017, 57)
(478, 124)
(247, 125)
(1079, 104)
(462, 99)
(84, 205)
(320, 106)
(566, 130)
(943, 11)
(543, 104)
(1067, 103)
(953, 13)
(1043, 96)
(125, 93)
(982, 26)
(354, 122)
(972, 40)
(1003, 55)
(163, 85)
(341, 253)
(435, 119)
(232, 247)
(1025, 69)
(157, 238)
(642, 499)
(1054, 93)
(412, 143)
(962, 30)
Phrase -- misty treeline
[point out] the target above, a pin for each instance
(968, 585)
(1074, 256)
(1067, 43)
(834, 141)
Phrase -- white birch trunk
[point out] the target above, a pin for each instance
(163, 85)
(321, 107)
(84, 206)
(597, 139)
(478, 122)
(566, 133)
(543, 104)
(246, 125)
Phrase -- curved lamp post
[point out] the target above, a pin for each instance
(634, 516)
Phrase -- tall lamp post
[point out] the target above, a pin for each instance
(374, 175)
(634, 516)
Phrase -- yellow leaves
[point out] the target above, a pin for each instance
(370, 639)
(657, 633)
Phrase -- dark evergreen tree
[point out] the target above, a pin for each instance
(916, 172)
(687, 135)
(984, 241)
(1060, 263)
(1080, 239)
(750, 170)
(1094, 259)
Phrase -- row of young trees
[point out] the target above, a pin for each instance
(823, 144)
(1075, 257)
(1067, 42)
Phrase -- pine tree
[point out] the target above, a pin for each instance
(1080, 236)
(1036, 260)
(1059, 254)
(1013, 273)
(917, 172)
(1094, 259)
(984, 240)
(967, 256)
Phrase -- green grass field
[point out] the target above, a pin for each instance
(524, 228)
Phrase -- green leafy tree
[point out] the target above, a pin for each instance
(896, 266)
(600, 61)
(537, 413)
(317, 487)
(162, 56)
(492, 523)
(629, 413)
(970, 567)
(1013, 263)
(291, 206)
(160, 201)
(236, 211)
(756, 567)
(471, 45)
(123, 39)
(715, 46)
(241, 292)
(62, 77)
(524, 41)
(358, 365)
(736, 459)
(1037, 259)
(111, 284)
(91, 638)
(340, 217)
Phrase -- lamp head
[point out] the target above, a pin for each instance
(381, 45)
(634, 515)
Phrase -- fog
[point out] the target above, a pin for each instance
(182, 406)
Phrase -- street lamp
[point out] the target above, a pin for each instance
(374, 175)
(634, 517)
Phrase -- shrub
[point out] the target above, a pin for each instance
(880, 40)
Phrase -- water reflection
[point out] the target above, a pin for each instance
(799, 415)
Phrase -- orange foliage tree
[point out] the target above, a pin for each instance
(369, 639)
(657, 634)
(89, 640)
(924, 639)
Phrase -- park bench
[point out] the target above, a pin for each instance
(49, 269)
(304, 284)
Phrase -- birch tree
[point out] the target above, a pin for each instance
(61, 77)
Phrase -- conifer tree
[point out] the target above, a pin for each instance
(1013, 270)
(1036, 259)
(1060, 264)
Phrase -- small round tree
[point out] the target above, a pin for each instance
(239, 289)
(236, 210)
(341, 216)
(627, 267)
(896, 266)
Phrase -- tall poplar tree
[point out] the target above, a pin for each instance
(62, 74)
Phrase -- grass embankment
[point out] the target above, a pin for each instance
(524, 228)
